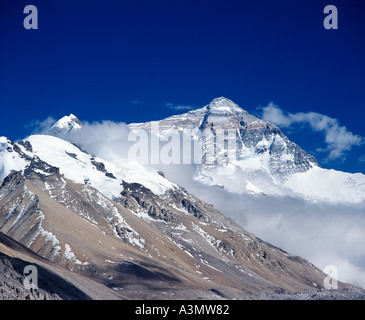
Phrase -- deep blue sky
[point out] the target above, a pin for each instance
(124, 60)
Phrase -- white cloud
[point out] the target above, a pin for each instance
(136, 102)
(177, 107)
(39, 126)
(322, 233)
(106, 139)
(338, 139)
(275, 115)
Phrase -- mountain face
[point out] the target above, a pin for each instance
(257, 154)
(124, 231)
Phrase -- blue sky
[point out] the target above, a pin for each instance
(136, 61)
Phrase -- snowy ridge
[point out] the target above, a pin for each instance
(9, 159)
(328, 185)
(80, 167)
(68, 254)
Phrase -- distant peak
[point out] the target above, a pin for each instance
(64, 126)
(68, 122)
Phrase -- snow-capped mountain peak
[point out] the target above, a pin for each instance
(259, 145)
(224, 105)
(65, 125)
(249, 155)
(68, 122)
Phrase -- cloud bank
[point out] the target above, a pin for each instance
(40, 126)
(338, 139)
(322, 233)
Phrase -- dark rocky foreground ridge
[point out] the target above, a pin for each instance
(50, 286)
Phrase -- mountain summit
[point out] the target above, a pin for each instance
(64, 126)
(255, 156)
(224, 104)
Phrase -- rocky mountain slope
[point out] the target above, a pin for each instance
(14, 258)
(124, 231)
